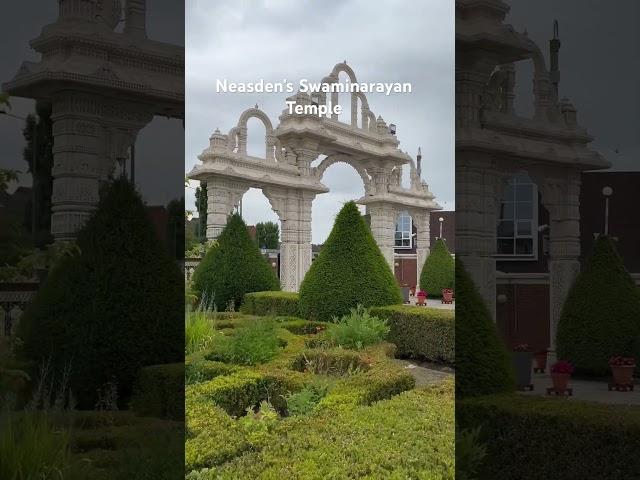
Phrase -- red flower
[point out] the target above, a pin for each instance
(562, 366)
(620, 361)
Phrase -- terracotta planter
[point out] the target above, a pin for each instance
(560, 381)
(447, 295)
(522, 363)
(541, 360)
(623, 374)
(421, 299)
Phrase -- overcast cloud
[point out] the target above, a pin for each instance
(383, 41)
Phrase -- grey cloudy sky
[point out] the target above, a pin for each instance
(383, 41)
(599, 67)
(159, 148)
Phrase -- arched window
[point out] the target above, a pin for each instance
(403, 231)
(517, 219)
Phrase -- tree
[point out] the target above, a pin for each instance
(231, 268)
(42, 141)
(483, 366)
(176, 228)
(268, 235)
(201, 206)
(601, 315)
(116, 306)
(349, 271)
(438, 271)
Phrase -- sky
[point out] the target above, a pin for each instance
(599, 67)
(159, 148)
(382, 41)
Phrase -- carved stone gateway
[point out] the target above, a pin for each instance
(493, 144)
(290, 182)
(104, 87)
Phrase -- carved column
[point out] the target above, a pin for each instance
(383, 228)
(222, 197)
(77, 142)
(423, 240)
(562, 202)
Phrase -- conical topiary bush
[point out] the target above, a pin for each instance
(232, 268)
(483, 365)
(349, 271)
(114, 307)
(438, 271)
(601, 315)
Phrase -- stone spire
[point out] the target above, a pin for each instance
(554, 49)
(419, 162)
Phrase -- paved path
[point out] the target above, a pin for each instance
(435, 303)
(590, 391)
(425, 373)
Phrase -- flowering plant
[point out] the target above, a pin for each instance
(422, 293)
(620, 361)
(562, 366)
(522, 347)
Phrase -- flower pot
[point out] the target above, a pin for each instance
(623, 374)
(522, 363)
(421, 299)
(560, 381)
(447, 295)
(541, 361)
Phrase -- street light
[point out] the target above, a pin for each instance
(607, 192)
(441, 220)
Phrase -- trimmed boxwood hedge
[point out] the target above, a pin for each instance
(420, 332)
(529, 438)
(483, 365)
(438, 271)
(159, 391)
(601, 316)
(232, 268)
(271, 303)
(349, 271)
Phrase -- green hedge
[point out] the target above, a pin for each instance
(335, 361)
(529, 438)
(271, 303)
(438, 271)
(601, 316)
(349, 271)
(159, 391)
(420, 332)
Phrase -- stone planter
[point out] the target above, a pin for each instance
(421, 299)
(560, 381)
(623, 374)
(447, 295)
(522, 365)
(541, 361)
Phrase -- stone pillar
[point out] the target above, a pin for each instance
(222, 196)
(77, 138)
(383, 228)
(423, 240)
(562, 202)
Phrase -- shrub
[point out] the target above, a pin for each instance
(159, 391)
(233, 268)
(357, 329)
(198, 369)
(271, 303)
(349, 271)
(114, 307)
(335, 361)
(258, 425)
(198, 331)
(601, 315)
(438, 271)
(420, 332)
(257, 342)
(302, 327)
(304, 401)
(483, 365)
(409, 436)
(529, 438)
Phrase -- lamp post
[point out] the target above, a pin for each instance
(607, 192)
(441, 220)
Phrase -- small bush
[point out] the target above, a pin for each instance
(528, 438)
(357, 329)
(198, 369)
(304, 401)
(233, 268)
(257, 342)
(302, 327)
(335, 361)
(259, 425)
(349, 271)
(271, 303)
(159, 391)
(601, 315)
(438, 271)
(199, 331)
(483, 365)
(420, 332)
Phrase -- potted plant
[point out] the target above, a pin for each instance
(541, 360)
(421, 297)
(560, 374)
(447, 295)
(622, 369)
(522, 358)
